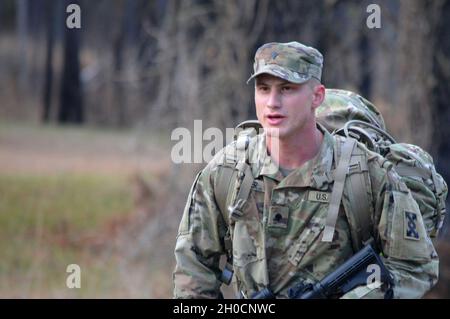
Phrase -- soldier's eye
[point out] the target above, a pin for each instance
(263, 89)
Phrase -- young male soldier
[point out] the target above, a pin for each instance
(277, 238)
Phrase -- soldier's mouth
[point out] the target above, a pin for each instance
(275, 119)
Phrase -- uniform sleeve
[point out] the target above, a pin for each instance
(199, 243)
(407, 250)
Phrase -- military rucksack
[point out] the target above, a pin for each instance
(351, 119)
(347, 114)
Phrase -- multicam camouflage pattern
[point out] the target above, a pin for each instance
(426, 185)
(414, 165)
(292, 61)
(277, 241)
(341, 106)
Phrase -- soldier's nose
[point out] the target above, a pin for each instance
(273, 101)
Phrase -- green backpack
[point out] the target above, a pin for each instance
(350, 118)
(348, 114)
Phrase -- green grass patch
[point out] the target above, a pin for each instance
(46, 223)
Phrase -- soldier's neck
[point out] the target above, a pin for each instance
(293, 151)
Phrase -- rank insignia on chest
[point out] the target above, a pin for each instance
(278, 216)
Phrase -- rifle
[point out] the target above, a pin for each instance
(351, 274)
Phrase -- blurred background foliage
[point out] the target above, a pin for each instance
(86, 116)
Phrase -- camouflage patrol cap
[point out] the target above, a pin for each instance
(292, 61)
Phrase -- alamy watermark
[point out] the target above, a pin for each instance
(74, 279)
(73, 20)
(189, 148)
(374, 279)
(201, 146)
(373, 21)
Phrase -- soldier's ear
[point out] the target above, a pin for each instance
(318, 95)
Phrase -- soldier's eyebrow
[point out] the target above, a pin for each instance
(260, 82)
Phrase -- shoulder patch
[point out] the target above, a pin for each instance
(410, 226)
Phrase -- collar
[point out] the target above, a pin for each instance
(315, 173)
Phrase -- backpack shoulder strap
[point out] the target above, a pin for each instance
(352, 189)
(234, 178)
(338, 187)
(232, 187)
(358, 200)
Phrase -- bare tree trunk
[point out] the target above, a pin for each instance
(118, 58)
(441, 97)
(48, 82)
(382, 66)
(22, 36)
(71, 106)
(121, 63)
(441, 91)
(415, 76)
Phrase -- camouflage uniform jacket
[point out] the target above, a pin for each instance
(277, 242)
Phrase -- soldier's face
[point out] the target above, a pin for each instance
(283, 107)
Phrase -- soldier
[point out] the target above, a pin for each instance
(279, 234)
